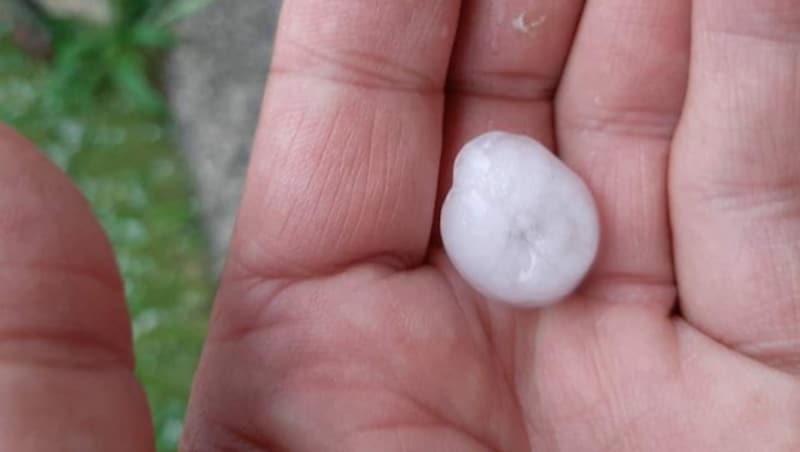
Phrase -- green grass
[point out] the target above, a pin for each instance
(125, 161)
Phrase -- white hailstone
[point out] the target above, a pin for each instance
(518, 225)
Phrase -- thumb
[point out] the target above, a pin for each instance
(66, 360)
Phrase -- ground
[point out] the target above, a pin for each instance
(215, 79)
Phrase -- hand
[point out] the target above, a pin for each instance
(341, 326)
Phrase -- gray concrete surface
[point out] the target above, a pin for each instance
(215, 79)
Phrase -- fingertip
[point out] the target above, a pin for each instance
(43, 216)
(59, 276)
(66, 354)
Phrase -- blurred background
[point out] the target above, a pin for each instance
(150, 107)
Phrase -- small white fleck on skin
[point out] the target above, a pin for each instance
(518, 225)
(521, 24)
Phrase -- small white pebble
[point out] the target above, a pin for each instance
(518, 225)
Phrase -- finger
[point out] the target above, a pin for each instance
(66, 361)
(736, 179)
(344, 171)
(507, 62)
(347, 154)
(617, 109)
(508, 59)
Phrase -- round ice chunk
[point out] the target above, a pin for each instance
(518, 225)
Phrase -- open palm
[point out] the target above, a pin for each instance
(340, 324)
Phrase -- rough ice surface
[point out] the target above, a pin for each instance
(518, 225)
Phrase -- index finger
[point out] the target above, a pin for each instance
(345, 164)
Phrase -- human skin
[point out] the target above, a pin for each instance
(339, 324)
